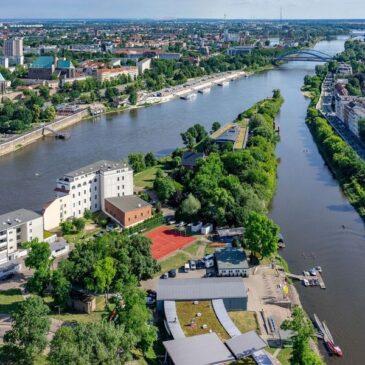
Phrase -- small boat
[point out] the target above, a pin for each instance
(188, 97)
(325, 333)
(305, 282)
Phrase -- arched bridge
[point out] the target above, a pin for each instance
(308, 55)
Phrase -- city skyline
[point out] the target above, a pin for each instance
(164, 9)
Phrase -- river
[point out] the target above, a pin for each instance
(308, 206)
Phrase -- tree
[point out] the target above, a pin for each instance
(39, 259)
(136, 161)
(49, 114)
(189, 209)
(79, 224)
(30, 325)
(67, 227)
(165, 188)
(133, 97)
(361, 124)
(150, 159)
(104, 273)
(93, 343)
(61, 287)
(135, 317)
(303, 333)
(261, 234)
(215, 126)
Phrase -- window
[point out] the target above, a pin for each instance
(122, 178)
(80, 212)
(73, 195)
(118, 178)
(95, 180)
(30, 223)
(85, 201)
(79, 203)
(84, 191)
(118, 187)
(79, 193)
(96, 196)
(96, 206)
(95, 188)
(123, 187)
(18, 230)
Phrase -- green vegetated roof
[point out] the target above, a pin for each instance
(42, 62)
(65, 64)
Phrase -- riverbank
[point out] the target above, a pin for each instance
(25, 139)
(192, 86)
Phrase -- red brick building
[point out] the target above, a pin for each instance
(128, 210)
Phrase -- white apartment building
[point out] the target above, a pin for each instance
(144, 65)
(13, 50)
(87, 188)
(15, 228)
(353, 113)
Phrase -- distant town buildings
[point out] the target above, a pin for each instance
(105, 74)
(13, 52)
(234, 51)
(144, 65)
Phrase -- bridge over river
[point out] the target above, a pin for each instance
(306, 55)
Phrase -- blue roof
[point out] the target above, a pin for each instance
(65, 64)
(42, 62)
(2, 77)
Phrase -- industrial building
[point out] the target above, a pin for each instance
(231, 290)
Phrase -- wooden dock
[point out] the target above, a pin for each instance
(318, 277)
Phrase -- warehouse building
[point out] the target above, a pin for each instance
(231, 290)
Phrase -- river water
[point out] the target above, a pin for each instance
(308, 206)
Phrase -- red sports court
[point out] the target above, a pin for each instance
(166, 240)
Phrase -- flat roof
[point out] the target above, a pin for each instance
(231, 258)
(103, 165)
(16, 218)
(230, 232)
(201, 289)
(245, 344)
(128, 203)
(229, 135)
(205, 349)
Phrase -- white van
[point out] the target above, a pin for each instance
(186, 267)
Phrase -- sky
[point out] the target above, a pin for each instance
(161, 9)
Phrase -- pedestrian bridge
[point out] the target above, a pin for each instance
(308, 55)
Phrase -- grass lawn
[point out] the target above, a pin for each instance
(84, 317)
(9, 300)
(173, 262)
(284, 356)
(81, 236)
(187, 312)
(194, 248)
(244, 320)
(209, 250)
(145, 178)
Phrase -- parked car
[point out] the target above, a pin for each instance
(192, 265)
(200, 264)
(151, 293)
(209, 263)
(186, 267)
(208, 257)
(165, 275)
(172, 273)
